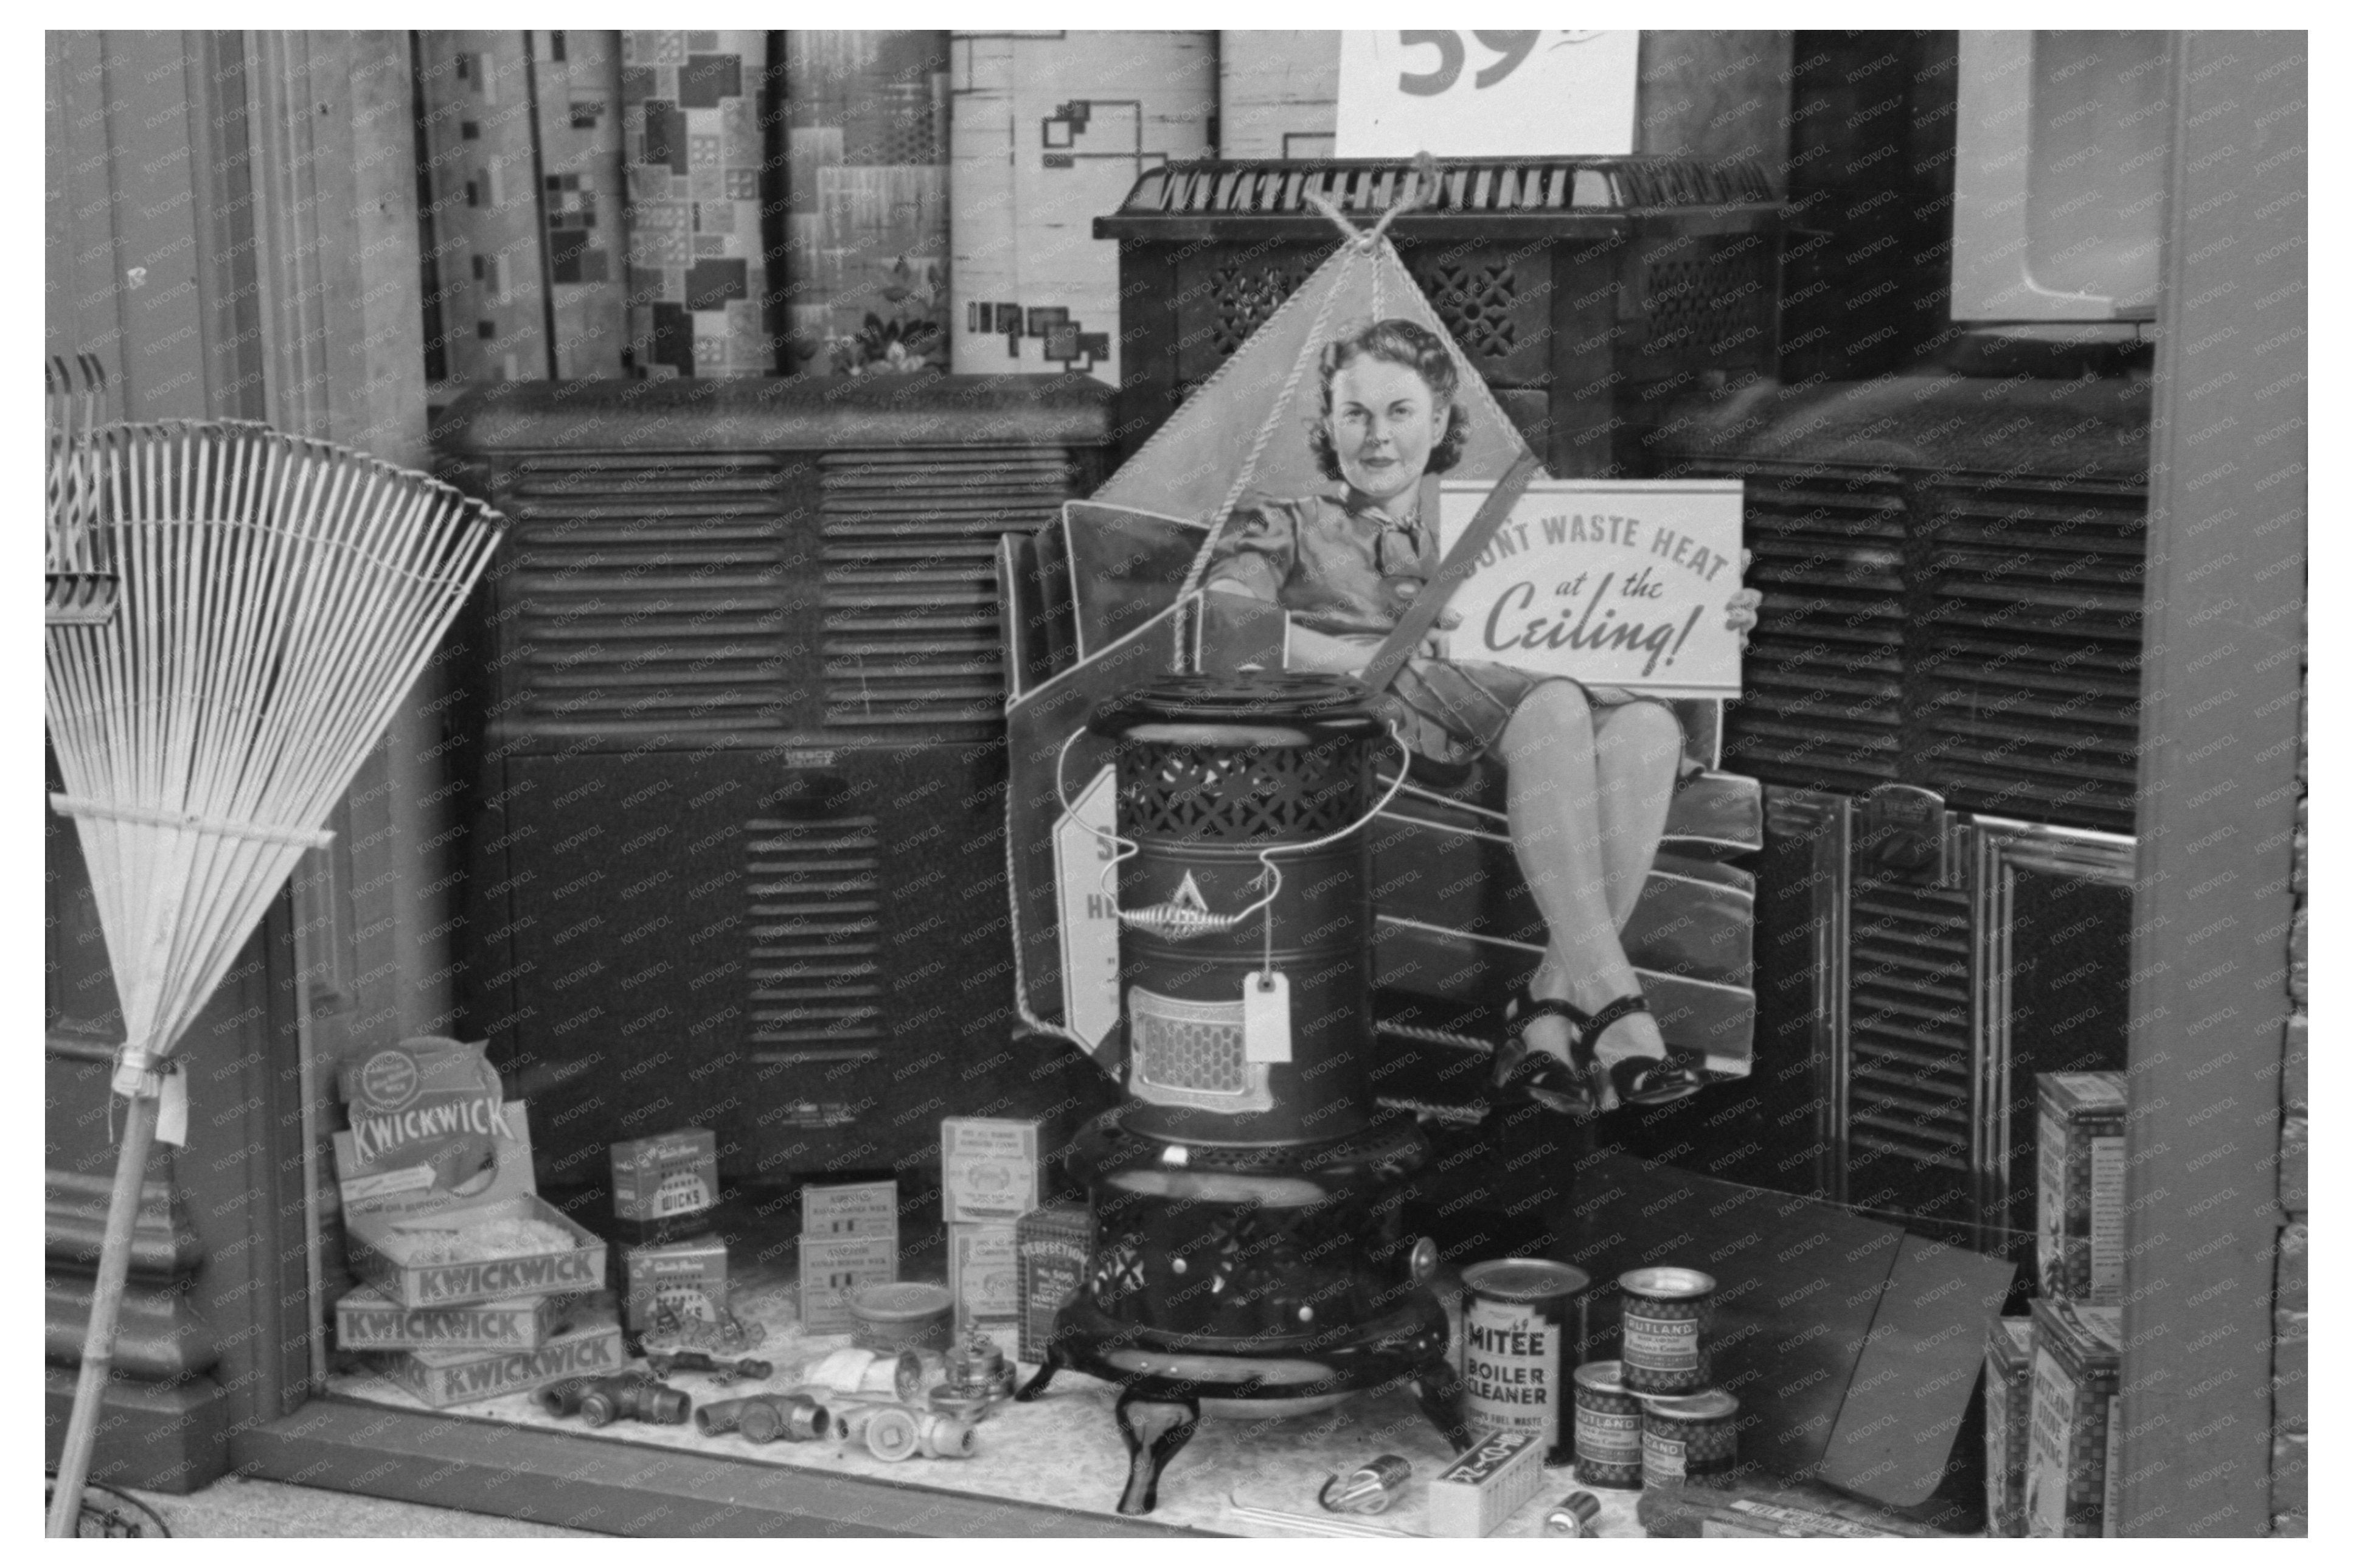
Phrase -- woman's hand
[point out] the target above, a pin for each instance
(1740, 613)
(1435, 645)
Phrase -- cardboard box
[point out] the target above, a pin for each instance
(2008, 1383)
(833, 1266)
(2079, 1208)
(984, 1279)
(2071, 1474)
(664, 1187)
(420, 1073)
(859, 1209)
(989, 1168)
(1486, 1484)
(692, 1275)
(368, 1321)
(443, 1378)
(1051, 1248)
(383, 1253)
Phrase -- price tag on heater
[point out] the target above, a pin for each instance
(1266, 1016)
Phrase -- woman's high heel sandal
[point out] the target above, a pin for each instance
(1539, 1076)
(1570, 1088)
(1639, 1080)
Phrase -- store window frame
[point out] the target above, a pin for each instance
(281, 1429)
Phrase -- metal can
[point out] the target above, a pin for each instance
(1520, 1326)
(1572, 1515)
(1609, 1429)
(1691, 1439)
(1370, 1488)
(1660, 1344)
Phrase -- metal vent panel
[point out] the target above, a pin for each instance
(1822, 707)
(815, 936)
(911, 618)
(2030, 688)
(1909, 1060)
(1534, 186)
(648, 593)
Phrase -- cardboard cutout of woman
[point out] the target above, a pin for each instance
(1590, 768)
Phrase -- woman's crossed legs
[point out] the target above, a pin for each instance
(1587, 796)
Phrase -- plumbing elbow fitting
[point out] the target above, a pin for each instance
(765, 1417)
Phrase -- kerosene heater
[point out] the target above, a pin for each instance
(1250, 1250)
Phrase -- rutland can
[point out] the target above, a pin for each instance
(1519, 1331)
(1609, 1429)
(1691, 1439)
(1660, 1345)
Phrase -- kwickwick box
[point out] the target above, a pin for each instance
(423, 1244)
(366, 1320)
(443, 1378)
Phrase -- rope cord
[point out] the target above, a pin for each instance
(1358, 244)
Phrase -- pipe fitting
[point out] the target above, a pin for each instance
(616, 1399)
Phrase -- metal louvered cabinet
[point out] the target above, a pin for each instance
(1934, 987)
(1952, 571)
(735, 856)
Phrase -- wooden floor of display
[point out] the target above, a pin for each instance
(1063, 1450)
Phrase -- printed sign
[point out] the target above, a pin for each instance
(1485, 94)
(1089, 925)
(1614, 582)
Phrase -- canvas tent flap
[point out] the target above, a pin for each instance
(1246, 428)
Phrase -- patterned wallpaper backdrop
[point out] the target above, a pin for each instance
(1050, 131)
(520, 191)
(866, 140)
(692, 108)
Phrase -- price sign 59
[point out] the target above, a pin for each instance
(1465, 94)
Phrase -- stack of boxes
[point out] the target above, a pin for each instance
(991, 1175)
(473, 1286)
(665, 1197)
(849, 1238)
(1015, 1256)
(2051, 1378)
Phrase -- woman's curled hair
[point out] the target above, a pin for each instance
(1399, 342)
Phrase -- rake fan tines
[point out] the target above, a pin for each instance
(277, 597)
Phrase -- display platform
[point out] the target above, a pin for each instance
(1062, 1451)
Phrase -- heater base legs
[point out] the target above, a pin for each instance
(1036, 1386)
(1438, 1391)
(1154, 1430)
